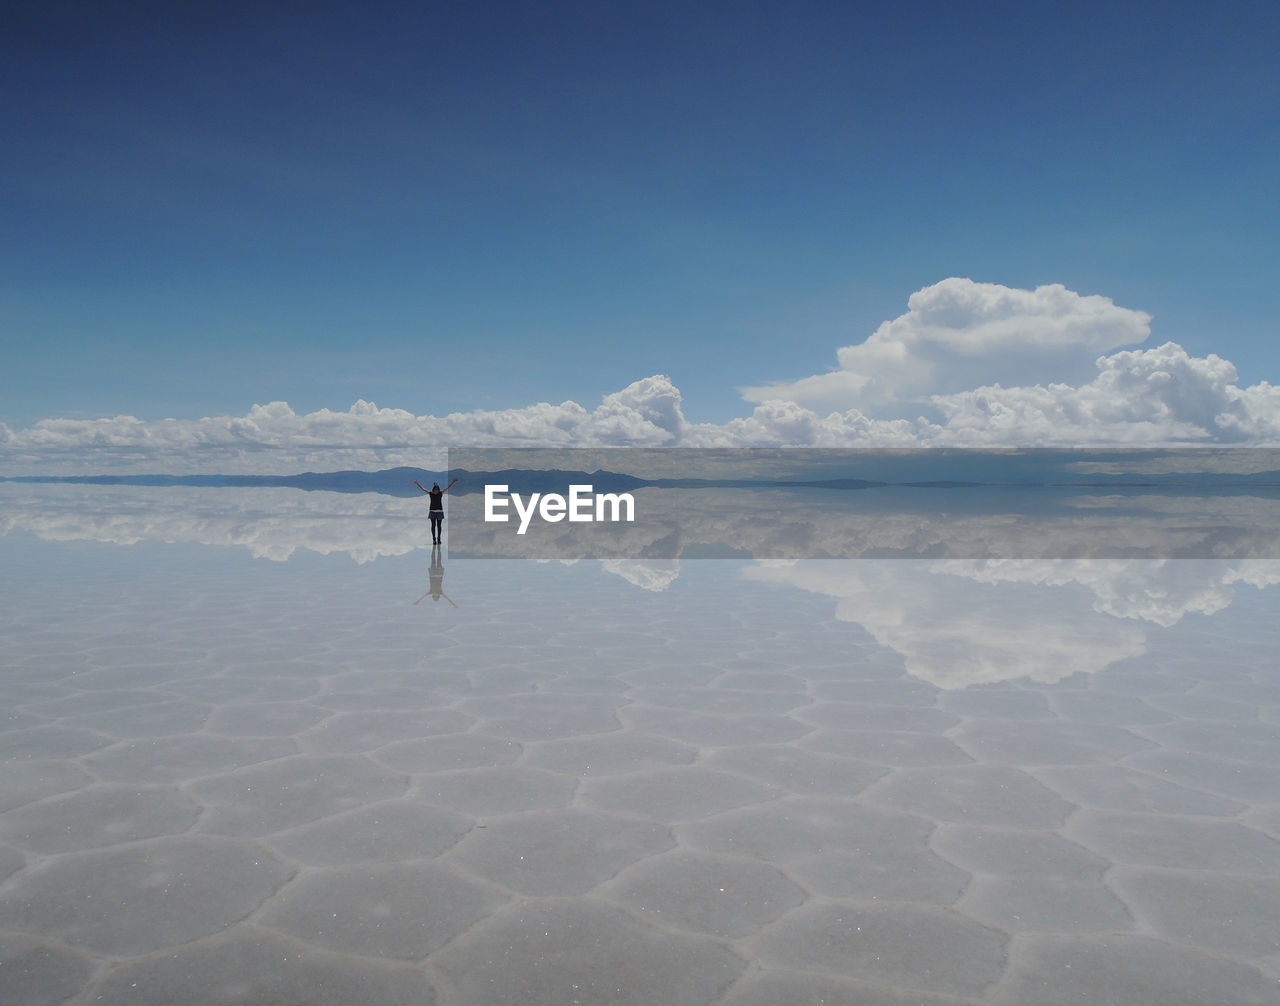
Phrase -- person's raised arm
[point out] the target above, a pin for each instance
(422, 487)
(451, 484)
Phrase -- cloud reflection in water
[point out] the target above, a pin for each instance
(956, 622)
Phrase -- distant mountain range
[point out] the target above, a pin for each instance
(934, 470)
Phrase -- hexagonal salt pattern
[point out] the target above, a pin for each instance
(232, 781)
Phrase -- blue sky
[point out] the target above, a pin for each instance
(452, 207)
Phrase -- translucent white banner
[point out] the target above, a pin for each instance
(803, 504)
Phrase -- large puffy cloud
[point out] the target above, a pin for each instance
(958, 334)
(979, 364)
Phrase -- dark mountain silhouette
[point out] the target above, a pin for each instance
(943, 469)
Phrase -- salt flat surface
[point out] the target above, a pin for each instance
(228, 779)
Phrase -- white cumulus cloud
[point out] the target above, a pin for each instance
(958, 334)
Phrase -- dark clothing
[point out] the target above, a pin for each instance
(436, 513)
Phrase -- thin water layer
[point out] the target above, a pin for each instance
(421, 780)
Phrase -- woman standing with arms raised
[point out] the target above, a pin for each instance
(436, 513)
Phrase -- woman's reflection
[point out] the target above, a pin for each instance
(436, 590)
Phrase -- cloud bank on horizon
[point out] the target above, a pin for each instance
(969, 364)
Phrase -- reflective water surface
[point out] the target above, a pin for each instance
(264, 746)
